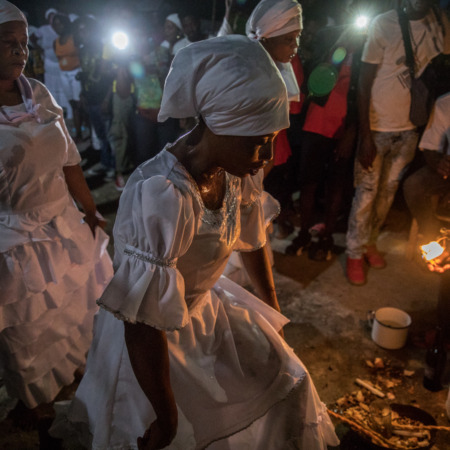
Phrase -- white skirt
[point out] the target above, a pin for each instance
(49, 289)
(237, 384)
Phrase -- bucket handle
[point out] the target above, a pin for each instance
(370, 317)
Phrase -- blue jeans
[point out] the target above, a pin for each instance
(376, 188)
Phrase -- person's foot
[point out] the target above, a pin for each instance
(47, 442)
(374, 258)
(120, 182)
(110, 175)
(284, 229)
(355, 271)
(98, 170)
(300, 243)
(322, 249)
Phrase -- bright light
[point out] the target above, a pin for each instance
(362, 21)
(431, 250)
(120, 40)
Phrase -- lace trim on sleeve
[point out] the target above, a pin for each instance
(124, 318)
(148, 257)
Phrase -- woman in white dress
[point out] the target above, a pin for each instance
(182, 357)
(52, 269)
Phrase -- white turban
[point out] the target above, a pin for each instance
(50, 11)
(175, 19)
(230, 81)
(272, 18)
(9, 13)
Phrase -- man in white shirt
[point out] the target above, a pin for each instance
(434, 177)
(388, 139)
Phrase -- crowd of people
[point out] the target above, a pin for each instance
(298, 102)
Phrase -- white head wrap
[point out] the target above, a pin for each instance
(272, 18)
(175, 19)
(231, 82)
(50, 11)
(10, 12)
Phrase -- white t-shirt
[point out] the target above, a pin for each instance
(390, 97)
(437, 133)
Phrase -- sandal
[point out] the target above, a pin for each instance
(322, 249)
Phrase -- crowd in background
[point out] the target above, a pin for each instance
(116, 93)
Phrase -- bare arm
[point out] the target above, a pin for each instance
(79, 190)
(366, 148)
(147, 348)
(259, 269)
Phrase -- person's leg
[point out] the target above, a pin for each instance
(418, 189)
(146, 139)
(76, 112)
(401, 152)
(99, 124)
(119, 133)
(314, 153)
(338, 172)
(443, 306)
(366, 188)
(362, 210)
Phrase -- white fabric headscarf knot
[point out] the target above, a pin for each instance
(175, 19)
(10, 12)
(272, 18)
(230, 81)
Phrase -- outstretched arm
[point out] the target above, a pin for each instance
(225, 28)
(147, 348)
(257, 264)
(79, 190)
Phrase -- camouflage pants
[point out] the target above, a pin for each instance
(376, 188)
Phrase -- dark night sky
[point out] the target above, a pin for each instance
(37, 8)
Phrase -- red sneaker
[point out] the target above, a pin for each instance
(355, 271)
(374, 258)
(120, 183)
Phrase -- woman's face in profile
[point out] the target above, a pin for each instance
(13, 49)
(171, 31)
(283, 48)
(244, 155)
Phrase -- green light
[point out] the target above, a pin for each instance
(322, 80)
(339, 55)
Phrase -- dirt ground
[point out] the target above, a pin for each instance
(329, 328)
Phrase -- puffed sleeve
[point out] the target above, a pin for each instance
(154, 226)
(258, 209)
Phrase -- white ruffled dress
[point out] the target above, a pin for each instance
(52, 270)
(237, 384)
